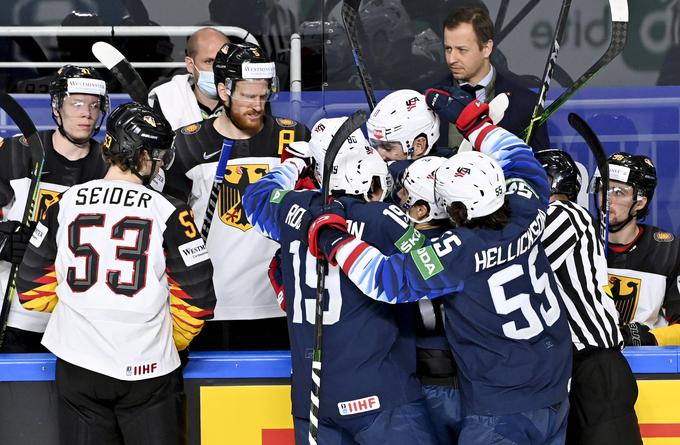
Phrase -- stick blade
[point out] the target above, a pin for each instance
(107, 54)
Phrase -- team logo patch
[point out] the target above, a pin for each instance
(664, 237)
(236, 179)
(626, 293)
(286, 122)
(224, 49)
(45, 199)
(366, 404)
(462, 171)
(191, 128)
(378, 133)
(150, 120)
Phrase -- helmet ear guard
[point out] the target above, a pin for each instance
(419, 181)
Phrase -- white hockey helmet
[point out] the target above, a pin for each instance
(418, 180)
(356, 164)
(401, 117)
(474, 179)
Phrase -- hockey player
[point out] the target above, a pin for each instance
(128, 279)
(508, 333)
(370, 393)
(402, 126)
(603, 387)
(79, 103)
(247, 316)
(643, 260)
(435, 366)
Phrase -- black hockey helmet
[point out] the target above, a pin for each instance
(240, 61)
(132, 128)
(73, 79)
(559, 165)
(636, 170)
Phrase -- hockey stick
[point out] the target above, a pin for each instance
(215, 190)
(549, 67)
(595, 146)
(346, 129)
(350, 16)
(619, 13)
(27, 128)
(127, 76)
(500, 18)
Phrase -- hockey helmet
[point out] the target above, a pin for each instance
(636, 170)
(401, 117)
(418, 180)
(474, 179)
(133, 128)
(73, 79)
(559, 165)
(356, 165)
(243, 61)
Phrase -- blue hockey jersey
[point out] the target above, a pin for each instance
(368, 359)
(509, 335)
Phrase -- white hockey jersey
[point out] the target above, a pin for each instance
(126, 274)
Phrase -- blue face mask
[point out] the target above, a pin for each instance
(206, 83)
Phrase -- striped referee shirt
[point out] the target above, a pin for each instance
(576, 255)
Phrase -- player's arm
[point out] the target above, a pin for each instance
(262, 199)
(36, 279)
(189, 272)
(670, 335)
(560, 236)
(471, 118)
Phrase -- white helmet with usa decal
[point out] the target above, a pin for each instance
(473, 179)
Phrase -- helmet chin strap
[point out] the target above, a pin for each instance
(146, 179)
(618, 227)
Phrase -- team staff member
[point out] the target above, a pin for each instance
(128, 279)
(79, 103)
(247, 315)
(192, 97)
(468, 43)
(603, 387)
(643, 260)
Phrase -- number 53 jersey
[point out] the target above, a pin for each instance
(126, 274)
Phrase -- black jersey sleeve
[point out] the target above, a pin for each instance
(189, 271)
(15, 159)
(36, 280)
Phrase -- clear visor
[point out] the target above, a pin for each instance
(248, 96)
(165, 157)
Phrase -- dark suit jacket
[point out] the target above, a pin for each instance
(516, 118)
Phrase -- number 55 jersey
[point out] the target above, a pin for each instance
(126, 274)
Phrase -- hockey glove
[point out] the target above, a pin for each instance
(276, 279)
(299, 154)
(456, 106)
(637, 334)
(328, 232)
(14, 238)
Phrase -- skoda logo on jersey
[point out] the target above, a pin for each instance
(236, 179)
(626, 293)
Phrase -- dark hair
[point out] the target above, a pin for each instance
(477, 17)
(496, 221)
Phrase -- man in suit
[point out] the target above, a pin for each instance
(468, 44)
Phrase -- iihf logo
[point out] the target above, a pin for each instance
(462, 171)
(411, 103)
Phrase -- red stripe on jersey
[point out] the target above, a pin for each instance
(351, 259)
(482, 134)
(660, 430)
